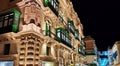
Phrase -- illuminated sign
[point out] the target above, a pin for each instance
(6, 63)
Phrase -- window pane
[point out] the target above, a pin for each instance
(6, 49)
(58, 30)
(6, 20)
(52, 2)
(10, 21)
(2, 19)
(11, 15)
(6, 17)
(58, 34)
(54, 5)
(67, 40)
(5, 23)
(62, 36)
(47, 29)
(1, 22)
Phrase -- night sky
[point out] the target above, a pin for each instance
(100, 19)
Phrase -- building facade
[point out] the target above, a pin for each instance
(90, 51)
(40, 33)
(115, 54)
(103, 59)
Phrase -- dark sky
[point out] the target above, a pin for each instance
(100, 20)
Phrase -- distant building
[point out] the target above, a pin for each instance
(90, 51)
(40, 33)
(115, 54)
(110, 56)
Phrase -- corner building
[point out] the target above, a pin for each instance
(90, 51)
(40, 33)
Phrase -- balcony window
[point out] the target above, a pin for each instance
(71, 27)
(63, 36)
(68, 38)
(6, 20)
(58, 34)
(46, 3)
(76, 34)
(9, 21)
(82, 42)
(53, 4)
(81, 50)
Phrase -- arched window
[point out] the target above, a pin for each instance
(32, 21)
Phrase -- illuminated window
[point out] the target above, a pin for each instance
(6, 63)
(52, 2)
(58, 33)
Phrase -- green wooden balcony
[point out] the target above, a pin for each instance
(52, 4)
(63, 36)
(9, 21)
